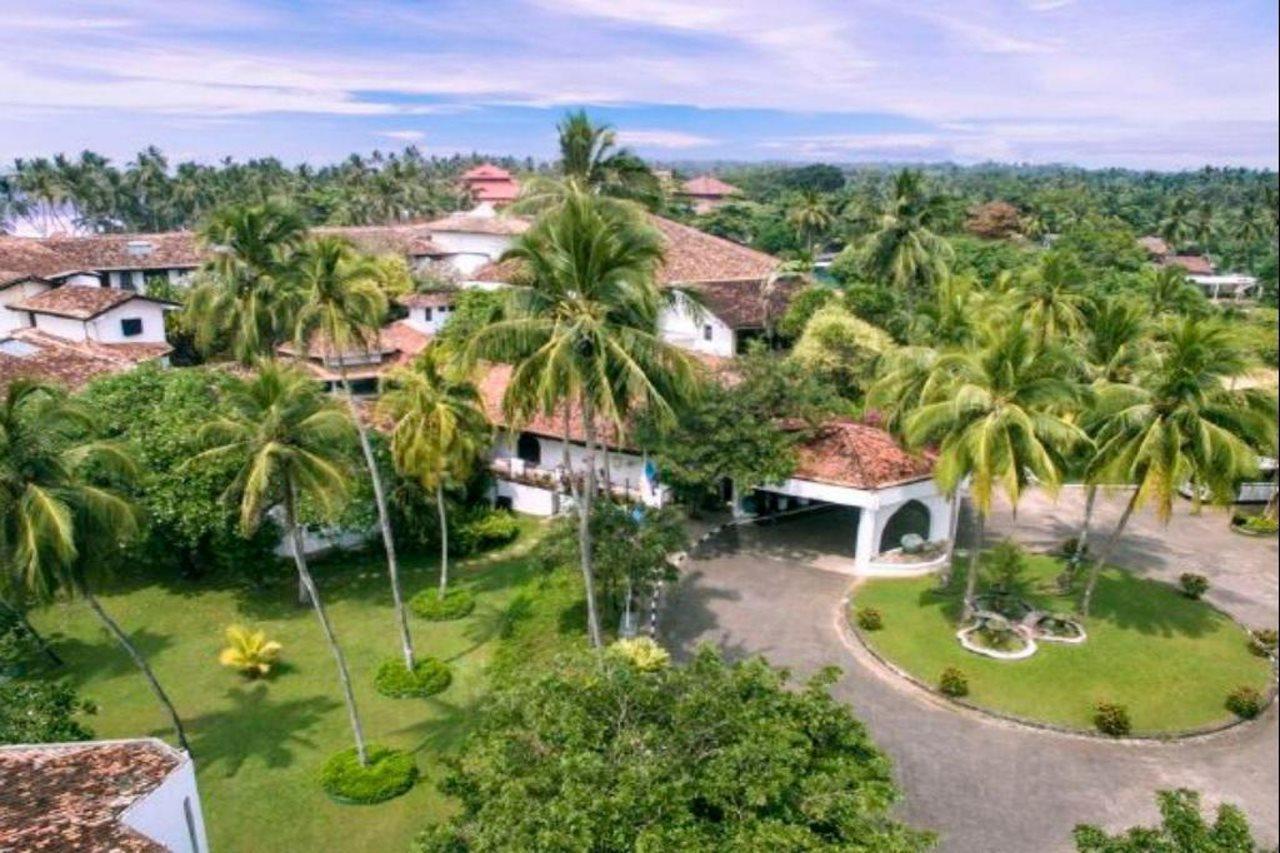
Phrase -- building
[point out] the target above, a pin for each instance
(428, 311)
(490, 184)
(1157, 248)
(396, 345)
(707, 192)
(1229, 286)
(469, 240)
(125, 795)
(1192, 264)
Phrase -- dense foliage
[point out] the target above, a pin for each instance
(707, 756)
(388, 773)
(41, 712)
(1182, 829)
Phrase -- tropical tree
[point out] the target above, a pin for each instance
(583, 338)
(592, 162)
(811, 218)
(1049, 297)
(905, 250)
(293, 440)
(1169, 292)
(440, 429)
(1178, 424)
(244, 298)
(61, 514)
(1176, 226)
(996, 419)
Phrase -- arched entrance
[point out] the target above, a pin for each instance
(911, 517)
(529, 449)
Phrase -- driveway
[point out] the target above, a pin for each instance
(981, 784)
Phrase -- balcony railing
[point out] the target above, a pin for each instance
(519, 471)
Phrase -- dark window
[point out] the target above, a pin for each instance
(426, 314)
(911, 517)
(126, 280)
(707, 332)
(131, 327)
(529, 448)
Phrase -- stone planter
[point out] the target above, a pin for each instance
(964, 635)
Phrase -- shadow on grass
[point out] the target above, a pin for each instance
(106, 658)
(255, 727)
(1150, 607)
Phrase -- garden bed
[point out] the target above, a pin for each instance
(1171, 660)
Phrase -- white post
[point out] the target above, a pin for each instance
(735, 501)
(865, 546)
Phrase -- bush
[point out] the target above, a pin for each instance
(429, 677)
(953, 682)
(457, 602)
(1260, 524)
(1112, 719)
(870, 619)
(642, 653)
(388, 774)
(249, 652)
(1245, 702)
(1193, 585)
(1262, 641)
(482, 530)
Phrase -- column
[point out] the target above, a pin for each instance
(864, 548)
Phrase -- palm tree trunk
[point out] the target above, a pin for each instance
(1105, 554)
(584, 529)
(444, 541)
(1090, 500)
(384, 522)
(304, 576)
(945, 580)
(21, 619)
(971, 578)
(123, 639)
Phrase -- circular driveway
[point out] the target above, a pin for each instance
(981, 784)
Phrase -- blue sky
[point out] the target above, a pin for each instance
(1163, 85)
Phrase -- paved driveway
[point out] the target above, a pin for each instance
(983, 785)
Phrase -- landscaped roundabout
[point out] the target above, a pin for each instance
(1150, 661)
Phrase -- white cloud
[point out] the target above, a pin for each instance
(663, 139)
(403, 135)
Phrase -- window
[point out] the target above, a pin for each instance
(426, 314)
(131, 327)
(707, 332)
(126, 281)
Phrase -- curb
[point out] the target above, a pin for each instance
(853, 634)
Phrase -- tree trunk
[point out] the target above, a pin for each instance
(1090, 499)
(584, 529)
(1105, 554)
(444, 541)
(141, 663)
(956, 504)
(384, 522)
(971, 579)
(21, 619)
(304, 577)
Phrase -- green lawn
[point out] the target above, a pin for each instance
(259, 744)
(1171, 660)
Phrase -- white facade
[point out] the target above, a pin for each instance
(171, 815)
(694, 328)
(143, 281)
(1225, 286)
(137, 321)
(467, 251)
(10, 320)
(429, 319)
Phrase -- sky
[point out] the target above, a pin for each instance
(1133, 83)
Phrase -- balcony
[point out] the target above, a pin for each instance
(554, 479)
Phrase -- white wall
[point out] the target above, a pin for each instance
(162, 817)
(438, 317)
(106, 327)
(63, 327)
(10, 320)
(468, 251)
(531, 500)
(625, 469)
(680, 325)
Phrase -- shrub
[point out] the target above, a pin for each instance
(1256, 524)
(388, 774)
(1193, 585)
(482, 530)
(1245, 702)
(870, 619)
(642, 653)
(953, 682)
(1262, 641)
(249, 652)
(429, 677)
(430, 606)
(1112, 719)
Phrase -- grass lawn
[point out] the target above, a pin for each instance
(258, 745)
(1171, 660)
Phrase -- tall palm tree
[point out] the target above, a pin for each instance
(584, 338)
(1176, 226)
(1179, 423)
(905, 250)
(293, 439)
(996, 420)
(1049, 298)
(1169, 292)
(341, 314)
(245, 297)
(591, 159)
(811, 218)
(58, 517)
(440, 430)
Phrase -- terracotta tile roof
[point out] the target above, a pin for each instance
(168, 250)
(495, 192)
(28, 256)
(486, 172)
(708, 186)
(430, 299)
(497, 226)
(10, 277)
(413, 240)
(72, 796)
(1193, 264)
(1155, 246)
(492, 386)
(397, 344)
(847, 453)
(739, 304)
(78, 303)
(510, 271)
(70, 364)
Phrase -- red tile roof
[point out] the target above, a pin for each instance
(77, 302)
(1193, 264)
(495, 192)
(847, 453)
(1155, 246)
(486, 172)
(429, 299)
(498, 226)
(71, 364)
(708, 186)
(28, 256)
(741, 303)
(397, 344)
(72, 796)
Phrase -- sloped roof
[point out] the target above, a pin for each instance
(73, 796)
(1155, 245)
(29, 256)
(428, 299)
(1193, 264)
(79, 303)
(494, 191)
(848, 453)
(740, 303)
(397, 344)
(498, 226)
(708, 186)
(486, 172)
(72, 364)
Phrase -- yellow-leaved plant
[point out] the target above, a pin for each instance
(249, 652)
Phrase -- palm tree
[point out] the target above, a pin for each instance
(342, 311)
(293, 440)
(1179, 423)
(591, 160)
(905, 251)
(1049, 297)
(58, 518)
(583, 338)
(995, 417)
(245, 297)
(1169, 292)
(1176, 227)
(811, 218)
(440, 429)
